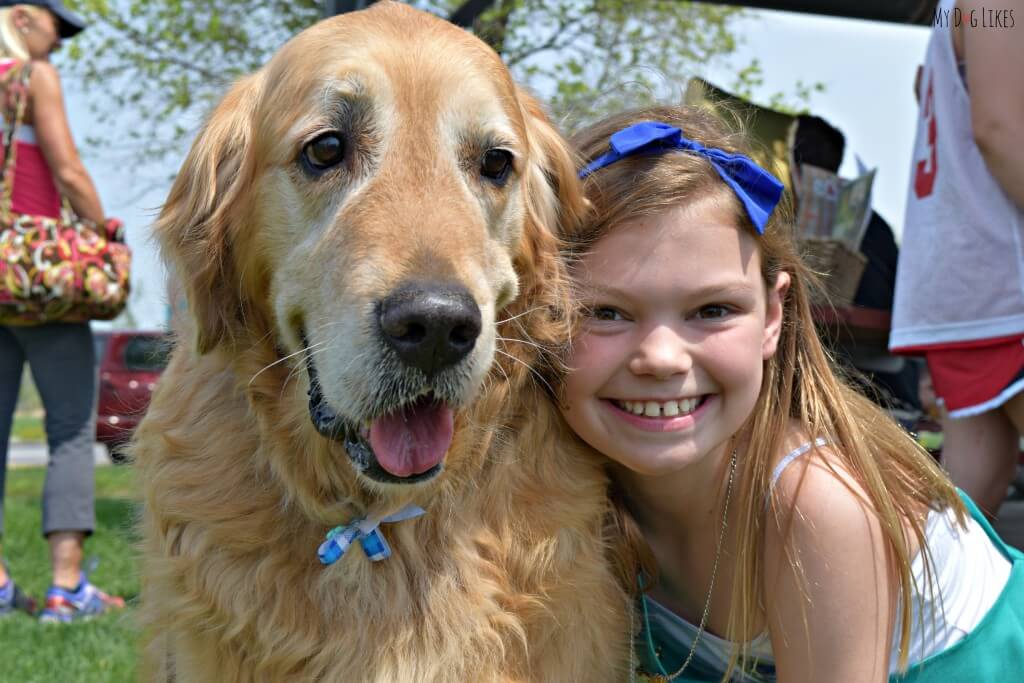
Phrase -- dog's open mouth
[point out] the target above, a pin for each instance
(404, 446)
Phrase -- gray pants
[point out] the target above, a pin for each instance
(63, 364)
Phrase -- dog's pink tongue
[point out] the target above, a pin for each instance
(413, 440)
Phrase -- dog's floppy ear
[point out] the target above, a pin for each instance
(555, 193)
(555, 203)
(203, 210)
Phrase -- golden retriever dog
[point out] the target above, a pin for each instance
(364, 232)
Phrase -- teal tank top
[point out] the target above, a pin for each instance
(991, 653)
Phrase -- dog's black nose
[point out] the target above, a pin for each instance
(430, 326)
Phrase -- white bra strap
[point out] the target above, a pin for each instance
(790, 457)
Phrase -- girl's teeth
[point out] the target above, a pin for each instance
(656, 409)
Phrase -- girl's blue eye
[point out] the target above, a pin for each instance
(605, 313)
(713, 312)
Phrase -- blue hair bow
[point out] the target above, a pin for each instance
(756, 188)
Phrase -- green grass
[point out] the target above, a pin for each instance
(28, 396)
(102, 650)
(28, 428)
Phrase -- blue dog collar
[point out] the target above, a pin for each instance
(367, 532)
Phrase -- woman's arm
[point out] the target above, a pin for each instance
(995, 59)
(54, 136)
(832, 621)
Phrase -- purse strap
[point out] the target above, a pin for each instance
(15, 85)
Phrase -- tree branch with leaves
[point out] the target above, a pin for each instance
(155, 67)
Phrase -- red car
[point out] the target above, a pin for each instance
(131, 362)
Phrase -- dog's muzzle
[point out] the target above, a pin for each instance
(430, 328)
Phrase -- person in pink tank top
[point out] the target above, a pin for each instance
(61, 355)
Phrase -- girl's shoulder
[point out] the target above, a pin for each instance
(818, 514)
(810, 473)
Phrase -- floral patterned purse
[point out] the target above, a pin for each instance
(63, 269)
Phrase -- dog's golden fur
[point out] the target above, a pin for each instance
(503, 578)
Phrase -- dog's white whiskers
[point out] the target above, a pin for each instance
(531, 370)
(262, 339)
(518, 315)
(311, 351)
(327, 324)
(281, 360)
(287, 380)
(523, 341)
(508, 379)
(525, 334)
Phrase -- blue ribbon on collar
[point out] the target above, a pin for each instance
(366, 531)
(756, 188)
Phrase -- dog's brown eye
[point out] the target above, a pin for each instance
(496, 164)
(325, 151)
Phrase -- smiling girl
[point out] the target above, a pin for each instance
(775, 523)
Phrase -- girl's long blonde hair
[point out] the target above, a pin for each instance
(901, 480)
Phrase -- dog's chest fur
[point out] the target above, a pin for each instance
(503, 579)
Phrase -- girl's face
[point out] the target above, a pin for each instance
(668, 364)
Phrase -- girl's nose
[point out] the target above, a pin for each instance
(661, 353)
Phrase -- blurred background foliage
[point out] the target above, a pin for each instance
(153, 68)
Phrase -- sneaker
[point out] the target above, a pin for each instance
(12, 599)
(64, 606)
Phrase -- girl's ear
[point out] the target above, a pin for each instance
(19, 17)
(773, 315)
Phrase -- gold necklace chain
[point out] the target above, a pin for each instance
(659, 678)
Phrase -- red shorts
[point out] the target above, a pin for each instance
(976, 376)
